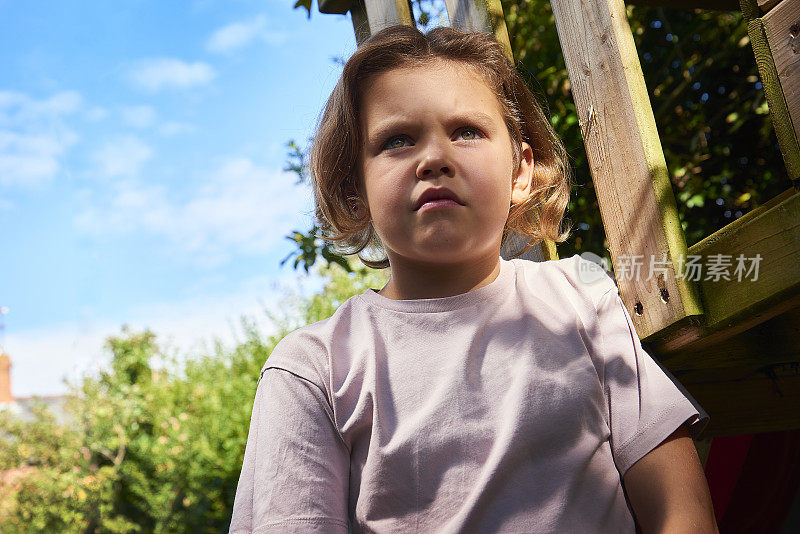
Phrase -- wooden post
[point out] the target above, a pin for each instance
(370, 16)
(627, 163)
(782, 29)
(480, 15)
(773, 47)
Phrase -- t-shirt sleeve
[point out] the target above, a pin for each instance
(645, 402)
(295, 473)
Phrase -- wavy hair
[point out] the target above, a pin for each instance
(335, 149)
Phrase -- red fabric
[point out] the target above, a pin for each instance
(723, 467)
(767, 484)
(753, 480)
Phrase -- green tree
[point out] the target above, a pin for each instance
(155, 442)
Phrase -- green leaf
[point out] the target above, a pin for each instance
(306, 4)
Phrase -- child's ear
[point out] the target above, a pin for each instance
(523, 175)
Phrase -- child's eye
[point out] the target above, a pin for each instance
(398, 141)
(468, 134)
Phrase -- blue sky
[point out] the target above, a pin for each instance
(141, 153)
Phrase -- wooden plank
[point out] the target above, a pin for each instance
(733, 379)
(627, 163)
(782, 29)
(766, 5)
(480, 15)
(336, 7)
(778, 108)
(372, 16)
(776, 341)
(771, 233)
(709, 5)
(765, 401)
(487, 16)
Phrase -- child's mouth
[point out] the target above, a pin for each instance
(437, 197)
(438, 204)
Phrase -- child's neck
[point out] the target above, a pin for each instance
(411, 280)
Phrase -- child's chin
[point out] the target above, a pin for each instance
(446, 251)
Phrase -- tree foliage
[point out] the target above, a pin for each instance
(155, 442)
(721, 152)
(712, 117)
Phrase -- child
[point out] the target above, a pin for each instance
(471, 393)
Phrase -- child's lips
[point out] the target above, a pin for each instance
(442, 203)
(436, 194)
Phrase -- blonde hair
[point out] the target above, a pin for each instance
(335, 149)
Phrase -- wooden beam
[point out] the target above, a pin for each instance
(748, 382)
(371, 16)
(335, 7)
(480, 15)
(627, 163)
(764, 401)
(710, 5)
(782, 29)
(775, 341)
(778, 107)
(770, 232)
(766, 5)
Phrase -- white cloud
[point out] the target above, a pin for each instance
(171, 128)
(239, 34)
(19, 106)
(96, 114)
(43, 357)
(139, 116)
(162, 73)
(34, 136)
(123, 156)
(241, 209)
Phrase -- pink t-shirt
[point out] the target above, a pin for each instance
(516, 407)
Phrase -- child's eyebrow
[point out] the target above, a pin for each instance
(399, 123)
(387, 126)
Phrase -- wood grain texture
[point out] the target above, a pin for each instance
(766, 5)
(749, 382)
(771, 231)
(626, 160)
(480, 15)
(764, 401)
(778, 109)
(775, 341)
(782, 30)
(371, 16)
(709, 5)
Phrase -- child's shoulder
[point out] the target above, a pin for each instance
(585, 274)
(305, 350)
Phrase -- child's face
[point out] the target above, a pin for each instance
(438, 126)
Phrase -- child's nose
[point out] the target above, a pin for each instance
(434, 164)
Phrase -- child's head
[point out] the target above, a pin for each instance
(471, 72)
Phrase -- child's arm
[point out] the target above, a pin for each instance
(668, 490)
(651, 418)
(296, 468)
